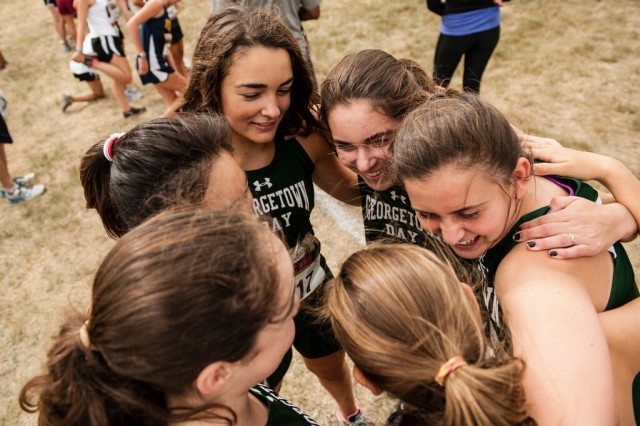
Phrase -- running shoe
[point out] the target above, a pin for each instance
(19, 181)
(356, 419)
(132, 93)
(22, 193)
(133, 111)
(67, 100)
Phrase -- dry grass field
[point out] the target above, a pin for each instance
(568, 70)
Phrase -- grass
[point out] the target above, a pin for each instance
(567, 70)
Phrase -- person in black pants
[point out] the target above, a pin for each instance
(470, 28)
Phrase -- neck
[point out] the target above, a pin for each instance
(539, 193)
(248, 409)
(251, 155)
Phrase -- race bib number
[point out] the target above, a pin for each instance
(308, 271)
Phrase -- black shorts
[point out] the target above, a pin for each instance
(5, 137)
(50, 3)
(107, 46)
(314, 339)
(87, 76)
(176, 31)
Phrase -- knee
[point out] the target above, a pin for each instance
(332, 367)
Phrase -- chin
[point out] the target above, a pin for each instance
(378, 185)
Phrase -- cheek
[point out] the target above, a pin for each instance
(284, 103)
(346, 157)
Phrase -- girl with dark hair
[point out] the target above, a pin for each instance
(162, 163)
(248, 67)
(470, 183)
(190, 312)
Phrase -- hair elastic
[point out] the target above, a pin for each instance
(107, 147)
(84, 335)
(448, 368)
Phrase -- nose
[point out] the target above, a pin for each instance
(270, 108)
(451, 231)
(364, 159)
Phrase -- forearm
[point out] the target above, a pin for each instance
(624, 186)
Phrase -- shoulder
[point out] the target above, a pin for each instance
(526, 272)
(315, 145)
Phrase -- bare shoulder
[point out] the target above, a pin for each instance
(522, 267)
(316, 146)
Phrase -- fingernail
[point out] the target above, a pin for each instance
(553, 253)
(531, 244)
(516, 236)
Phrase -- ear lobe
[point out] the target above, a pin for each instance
(364, 381)
(521, 176)
(213, 377)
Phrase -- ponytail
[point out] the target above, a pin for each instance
(80, 388)
(408, 324)
(481, 394)
(95, 176)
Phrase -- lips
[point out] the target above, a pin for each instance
(468, 243)
(265, 126)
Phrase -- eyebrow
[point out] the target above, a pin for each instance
(456, 211)
(369, 138)
(260, 85)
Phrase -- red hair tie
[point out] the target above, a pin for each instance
(107, 147)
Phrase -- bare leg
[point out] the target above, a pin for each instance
(333, 373)
(97, 92)
(171, 91)
(177, 51)
(69, 26)
(58, 24)
(120, 72)
(5, 177)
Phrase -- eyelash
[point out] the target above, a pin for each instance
(252, 96)
(466, 216)
(469, 215)
(344, 147)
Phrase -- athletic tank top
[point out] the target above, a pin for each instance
(623, 287)
(102, 18)
(156, 36)
(281, 411)
(388, 215)
(283, 190)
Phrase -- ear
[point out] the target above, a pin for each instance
(213, 378)
(468, 291)
(521, 176)
(362, 379)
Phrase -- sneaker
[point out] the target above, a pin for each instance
(356, 419)
(132, 93)
(24, 180)
(67, 100)
(65, 46)
(22, 193)
(133, 111)
(19, 181)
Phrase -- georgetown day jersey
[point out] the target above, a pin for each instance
(281, 411)
(283, 190)
(623, 287)
(388, 214)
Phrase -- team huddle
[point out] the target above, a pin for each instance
(469, 304)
